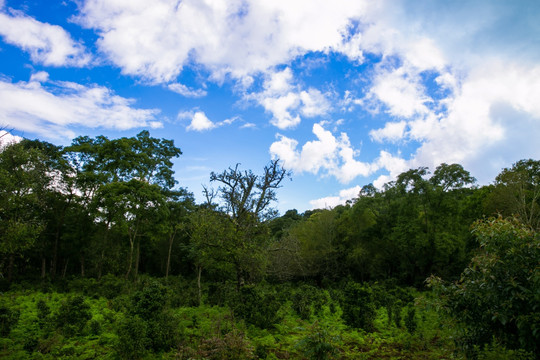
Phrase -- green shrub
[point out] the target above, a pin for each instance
(149, 306)
(220, 293)
(410, 320)
(308, 300)
(182, 293)
(232, 346)
(496, 351)
(8, 319)
(497, 294)
(397, 313)
(319, 344)
(132, 338)
(30, 343)
(95, 327)
(256, 306)
(358, 306)
(110, 286)
(164, 332)
(43, 313)
(73, 315)
(86, 286)
(150, 301)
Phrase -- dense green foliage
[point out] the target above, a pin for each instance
(498, 294)
(103, 256)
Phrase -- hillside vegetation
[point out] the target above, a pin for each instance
(104, 256)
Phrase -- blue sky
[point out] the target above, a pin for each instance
(345, 93)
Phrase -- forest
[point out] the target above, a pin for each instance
(103, 255)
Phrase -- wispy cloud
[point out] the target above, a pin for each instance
(47, 44)
(186, 91)
(50, 109)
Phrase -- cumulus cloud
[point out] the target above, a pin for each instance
(47, 44)
(490, 119)
(328, 155)
(200, 122)
(286, 101)
(394, 165)
(333, 201)
(392, 131)
(401, 92)
(155, 40)
(479, 118)
(6, 138)
(50, 109)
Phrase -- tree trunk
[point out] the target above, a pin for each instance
(171, 239)
(239, 278)
(137, 258)
(65, 269)
(43, 267)
(132, 239)
(10, 267)
(199, 284)
(130, 261)
(55, 253)
(82, 265)
(100, 264)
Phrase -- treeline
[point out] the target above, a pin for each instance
(105, 206)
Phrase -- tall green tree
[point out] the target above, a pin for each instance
(517, 192)
(499, 292)
(246, 199)
(128, 181)
(24, 179)
(317, 238)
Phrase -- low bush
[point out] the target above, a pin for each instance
(257, 306)
(73, 315)
(358, 306)
(8, 319)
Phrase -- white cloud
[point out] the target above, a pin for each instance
(50, 110)
(286, 101)
(40, 76)
(155, 40)
(476, 123)
(314, 103)
(200, 122)
(6, 138)
(281, 107)
(186, 91)
(395, 165)
(327, 155)
(401, 92)
(392, 131)
(47, 44)
(278, 82)
(333, 201)
(490, 120)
